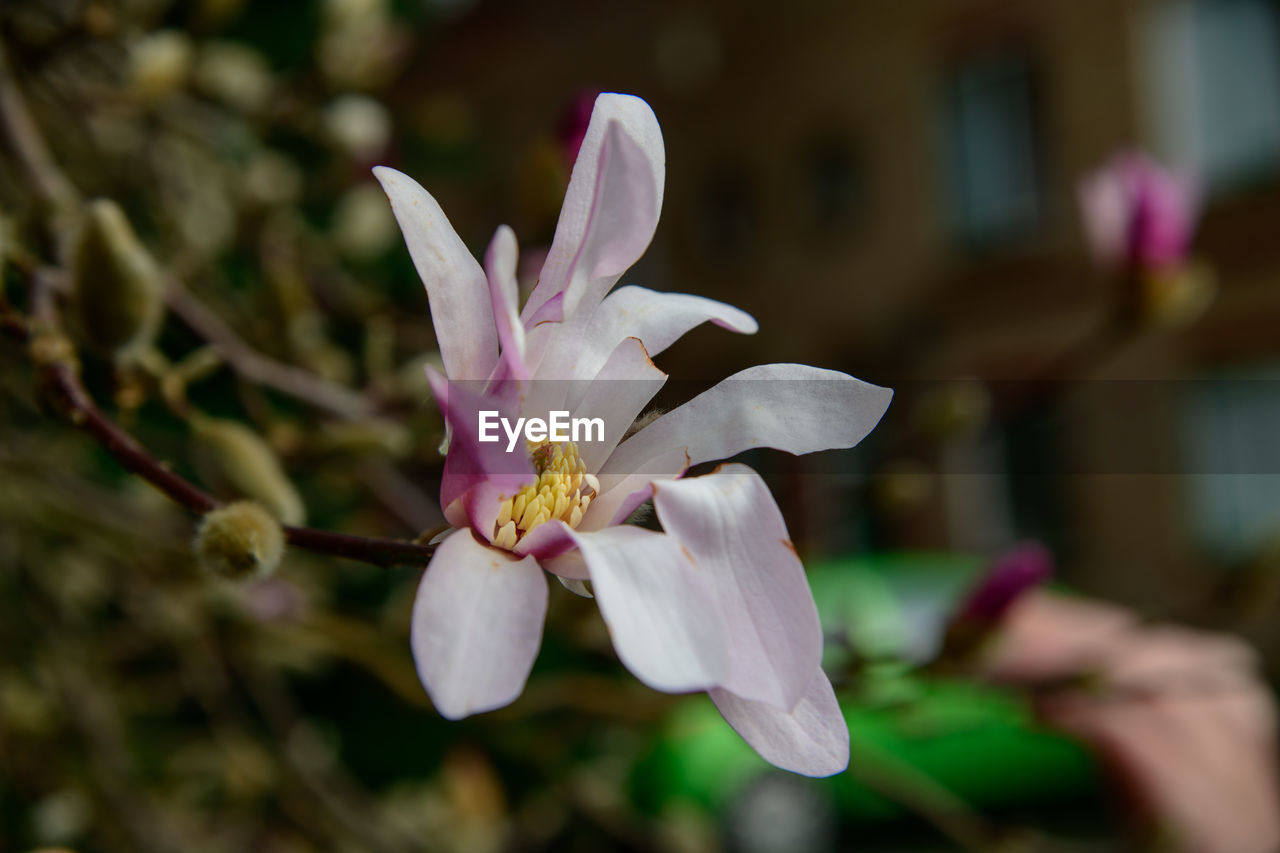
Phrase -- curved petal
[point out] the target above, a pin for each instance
(480, 473)
(551, 311)
(730, 524)
(660, 615)
(791, 407)
(611, 205)
(577, 587)
(547, 540)
(616, 394)
(461, 310)
(567, 566)
(500, 268)
(622, 494)
(658, 319)
(477, 625)
(812, 739)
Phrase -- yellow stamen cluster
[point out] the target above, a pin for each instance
(563, 491)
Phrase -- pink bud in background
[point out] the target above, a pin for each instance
(1025, 566)
(571, 125)
(1014, 573)
(1138, 213)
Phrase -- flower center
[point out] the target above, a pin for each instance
(563, 491)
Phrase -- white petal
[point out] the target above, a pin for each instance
(616, 394)
(661, 617)
(461, 310)
(791, 407)
(811, 739)
(477, 625)
(574, 586)
(622, 494)
(500, 268)
(567, 566)
(611, 205)
(731, 526)
(657, 319)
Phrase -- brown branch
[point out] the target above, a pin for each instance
(54, 356)
(254, 366)
(56, 361)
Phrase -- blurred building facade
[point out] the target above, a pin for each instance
(890, 188)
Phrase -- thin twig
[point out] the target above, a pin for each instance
(47, 180)
(59, 375)
(255, 367)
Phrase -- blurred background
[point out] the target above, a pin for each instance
(892, 189)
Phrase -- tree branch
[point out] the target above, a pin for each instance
(255, 367)
(55, 360)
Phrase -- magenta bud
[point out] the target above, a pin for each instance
(1025, 566)
(571, 126)
(1138, 213)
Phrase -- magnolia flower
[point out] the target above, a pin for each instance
(1138, 213)
(717, 600)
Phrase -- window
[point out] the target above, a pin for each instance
(1212, 85)
(993, 156)
(1232, 421)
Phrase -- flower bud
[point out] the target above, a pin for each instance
(159, 63)
(239, 541)
(239, 457)
(1012, 575)
(116, 299)
(235, 74)
(1138, 214)
(363, 224)
(359, 125)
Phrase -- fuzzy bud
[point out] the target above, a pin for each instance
(243, 462)
(359, 125)
(160, 63)
(239, 541)
(235, 74)
(116, 299)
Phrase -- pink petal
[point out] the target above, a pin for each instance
(1136, 211)
(791, 407)
(611, 206)
(500, 268)
(731, 526)
(1104, 208)
(661, 617)
(479, 474)
(477, 625)
(617, 393)
(811, 739)
(547, 540)
(461, 310)
(551, 311)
